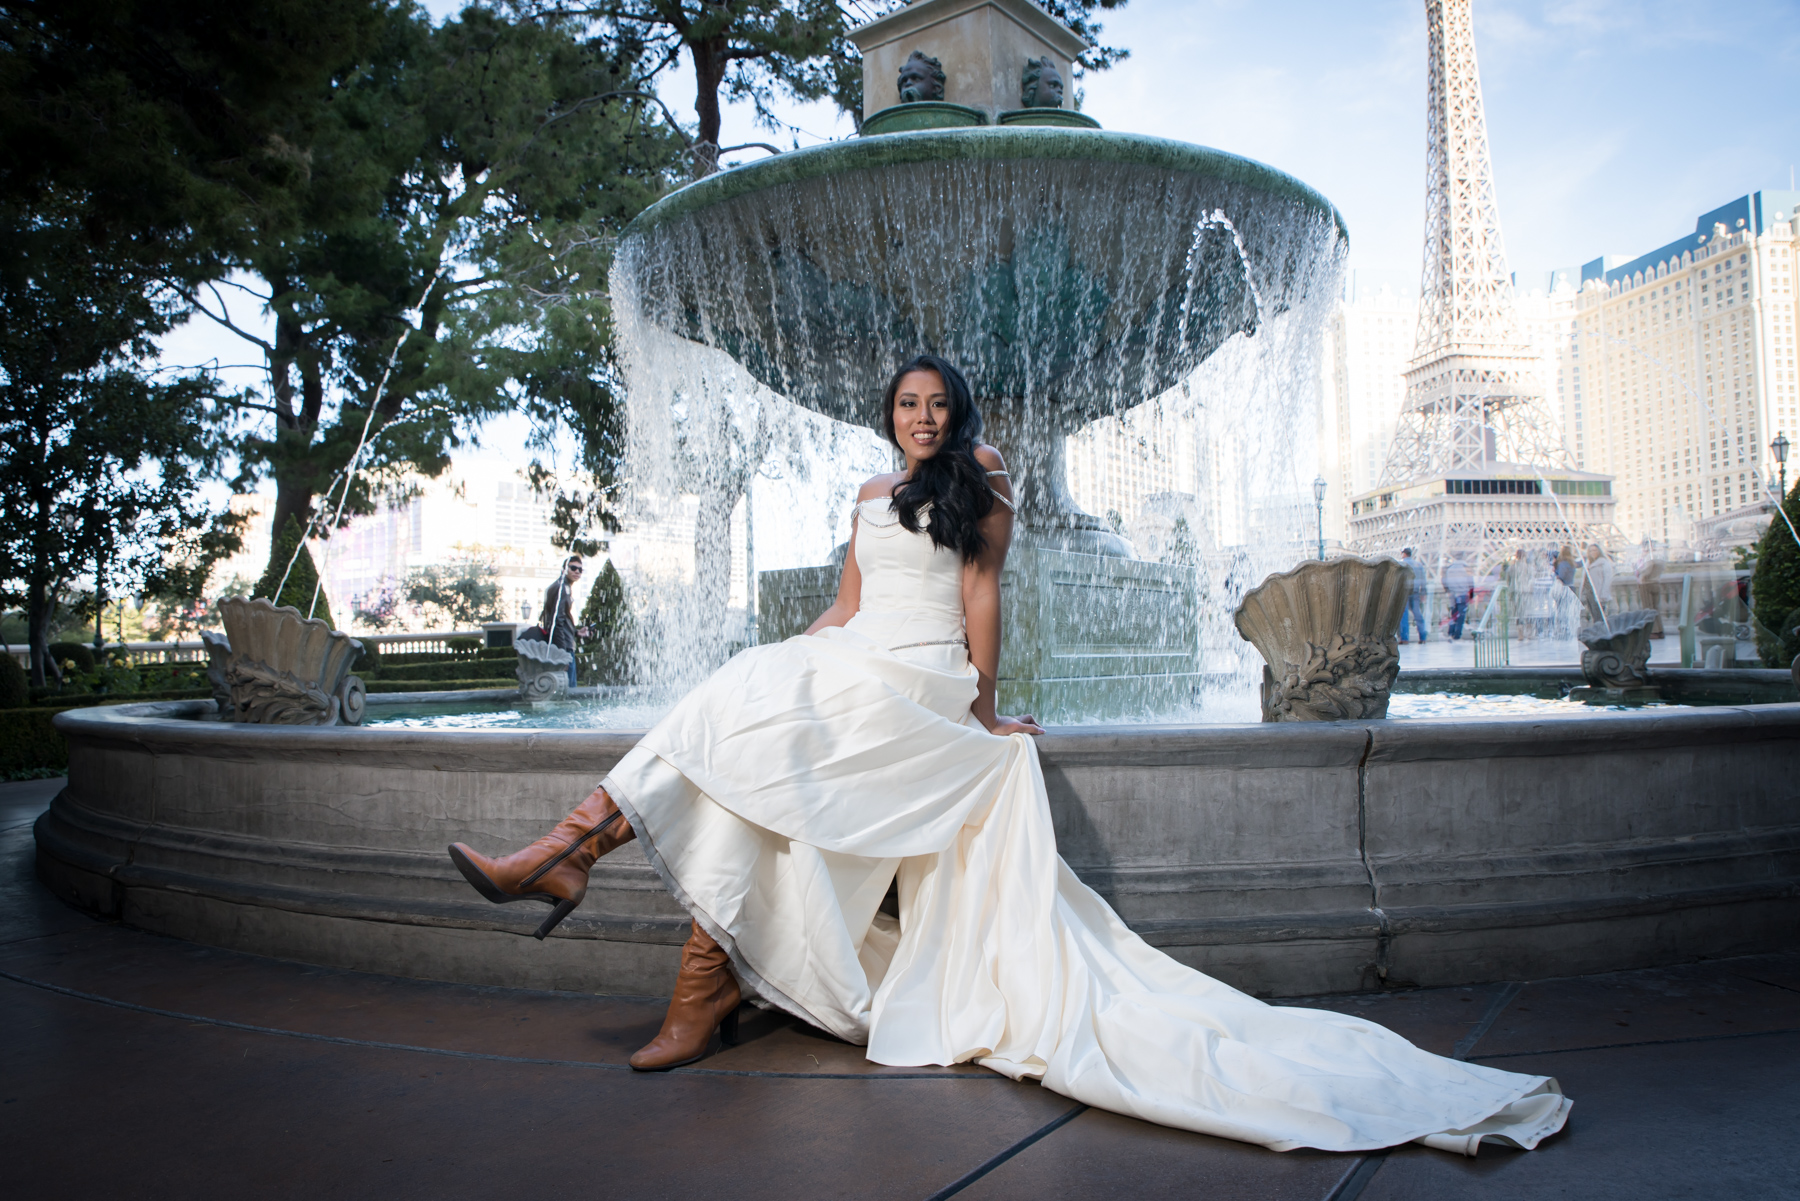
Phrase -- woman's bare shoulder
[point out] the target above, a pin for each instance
(877, 486)
(989, 458)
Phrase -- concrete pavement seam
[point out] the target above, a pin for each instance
(341, 1040)
(1357, 1179)
(1048, 1128)
(1648, 1042)
(1495, 1008)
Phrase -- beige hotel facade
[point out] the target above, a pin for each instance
(1679, 369)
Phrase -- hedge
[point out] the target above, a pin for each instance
(29, 743)
(411, 657)
(465, 669)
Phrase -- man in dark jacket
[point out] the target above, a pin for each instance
(558, 617)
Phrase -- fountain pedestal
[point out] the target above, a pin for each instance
(1084, 636)
(1615, 660)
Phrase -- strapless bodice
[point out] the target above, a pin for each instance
(911, 588)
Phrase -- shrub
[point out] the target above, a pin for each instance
(79, 653)
(29, 743)
(1775, 586)
(302, 580)
(463, 646)
(15, 684)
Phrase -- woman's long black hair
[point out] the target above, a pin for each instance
(951, 483)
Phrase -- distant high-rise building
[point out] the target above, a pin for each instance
(1477, 466)
(1370, 345)
(1678, 370)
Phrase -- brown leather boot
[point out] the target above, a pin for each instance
(706, 999)
(554, 869)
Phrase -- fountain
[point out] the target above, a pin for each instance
(1072, 272)
(1076, 272)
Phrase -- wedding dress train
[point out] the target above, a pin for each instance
(780, 798)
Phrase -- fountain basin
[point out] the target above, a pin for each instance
(1284, 859)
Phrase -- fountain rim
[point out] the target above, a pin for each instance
(976, 144)
(170, 725)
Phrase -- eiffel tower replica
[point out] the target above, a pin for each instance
(1477, 469)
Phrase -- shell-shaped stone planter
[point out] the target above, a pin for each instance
(289, 670)
(1327, 632)
(543, 671)
(1616, 653)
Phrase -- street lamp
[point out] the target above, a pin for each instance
(1779, 447)
(1319, 503)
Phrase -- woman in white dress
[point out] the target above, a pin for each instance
(780, 798)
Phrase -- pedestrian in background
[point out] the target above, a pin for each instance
(1597, 591)
(1415, 596)
(558, 618)
(1459, 586)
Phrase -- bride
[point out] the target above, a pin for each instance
(780, 799)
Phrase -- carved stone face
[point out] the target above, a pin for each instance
(921, 78)
(1043, 84)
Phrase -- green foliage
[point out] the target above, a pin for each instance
(389, 662)
(446, 259)
(475, 672)
(1775, 586)
(302, 579)
(463, 648)
(15, 685)
(78, 653)
(103, 459)
(29, 743)
(462, 593)
(607, 654)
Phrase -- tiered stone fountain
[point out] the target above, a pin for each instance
(1072, 272)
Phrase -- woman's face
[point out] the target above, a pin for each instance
(921, 415)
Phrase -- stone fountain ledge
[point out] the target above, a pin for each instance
(1285, 859)
(981, 144)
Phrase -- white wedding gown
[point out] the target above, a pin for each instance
(779, 798)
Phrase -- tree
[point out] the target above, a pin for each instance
(1775, 586)
(103, 459)
(292, 578)
(448, 260)
(465, 592)
(750, 50)
(608, 615)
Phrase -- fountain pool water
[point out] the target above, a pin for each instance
(639, 714)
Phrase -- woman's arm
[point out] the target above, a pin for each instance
(981, 603)
(849, 596)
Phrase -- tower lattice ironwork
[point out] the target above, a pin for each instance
(1477, 465)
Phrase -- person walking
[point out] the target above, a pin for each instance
(558, 617)
(1517, 580)
(1415, 596)
(1597, 584)
(1564, 567)
(1459, 586)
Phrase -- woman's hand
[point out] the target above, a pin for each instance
(1003, 726)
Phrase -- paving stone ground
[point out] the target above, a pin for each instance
(138, 1066)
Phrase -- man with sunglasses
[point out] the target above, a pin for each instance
(558, 618)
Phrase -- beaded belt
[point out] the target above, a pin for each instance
(906, 646)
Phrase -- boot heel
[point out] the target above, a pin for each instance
(563, 909)
(728, 1029)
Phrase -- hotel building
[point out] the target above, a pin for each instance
(1678, 369)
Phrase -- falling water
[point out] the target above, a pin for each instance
(1074, 275)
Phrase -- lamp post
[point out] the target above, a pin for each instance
(1779, 449)
(1319, 504)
